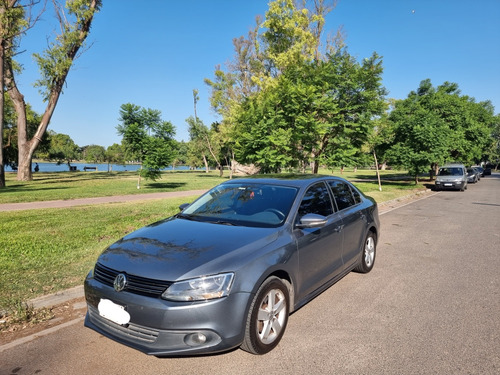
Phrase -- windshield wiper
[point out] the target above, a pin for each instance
(222, 222)
(180, 215)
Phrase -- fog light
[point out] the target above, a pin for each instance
(195, 339)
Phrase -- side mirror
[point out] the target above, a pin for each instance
(312, 221)
(183, 206)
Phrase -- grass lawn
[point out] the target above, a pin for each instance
(72, 185)
(45, 251)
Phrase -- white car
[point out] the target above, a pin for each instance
(452, 176)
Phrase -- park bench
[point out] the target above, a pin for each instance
(89, 168)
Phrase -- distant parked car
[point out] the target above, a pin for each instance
(480, 169)
(478, 172)
(230, 267)
(472, 175)
(452, 176)
(487, 171)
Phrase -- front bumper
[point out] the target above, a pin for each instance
(451, 185)
(164, 328)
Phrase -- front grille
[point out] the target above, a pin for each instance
(130, 330)
(135, 284)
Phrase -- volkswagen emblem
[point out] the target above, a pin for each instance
(120, 282)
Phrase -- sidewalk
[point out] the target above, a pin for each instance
(98, 200)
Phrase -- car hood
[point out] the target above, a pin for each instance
(175, 249)
(449, 178)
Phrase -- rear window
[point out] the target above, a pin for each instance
(343, 195)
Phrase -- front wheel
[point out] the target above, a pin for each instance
(267, 317)
(367, 259)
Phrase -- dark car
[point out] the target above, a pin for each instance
(473, 175)
(480, 170)
(228, 269)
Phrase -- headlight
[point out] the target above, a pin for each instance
(200, 289)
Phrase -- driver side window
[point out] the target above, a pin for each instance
(316, 201)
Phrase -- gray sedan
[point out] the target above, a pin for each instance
(228, 270)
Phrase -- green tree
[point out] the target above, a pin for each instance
(420, 138)
(198, 148)
(319, 112)
(12, 25)
(492, 154)
(181, 157)
(63, 149)
(54, 63)
(438, 124)
(289, 36)
(10, 144)
(147, 139)
(114, 154)
(94, 154)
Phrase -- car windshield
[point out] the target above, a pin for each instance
(450, 172)
(244, 204)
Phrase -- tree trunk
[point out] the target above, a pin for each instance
(315, 167)
(205, 161)
(233, 165)
(378, 171)
(24, 172)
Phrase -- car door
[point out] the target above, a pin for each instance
(319, 249)
(353, 219)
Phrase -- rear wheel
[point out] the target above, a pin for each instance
(267, 317)
(367, 255)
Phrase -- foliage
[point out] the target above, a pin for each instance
(94, 154)
(63, 148)
(147, 139)
(181, 157)
(115, 154)
(493, 152)
(10, 135)
(283, 39)
(54, 63)
(286, 103)
(437, 125)
(320, 111)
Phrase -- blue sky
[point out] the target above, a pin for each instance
(156, 53)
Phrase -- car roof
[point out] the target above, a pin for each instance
(294, 180)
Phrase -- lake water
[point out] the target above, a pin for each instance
(54, 167)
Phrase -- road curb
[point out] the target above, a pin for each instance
(57, 298)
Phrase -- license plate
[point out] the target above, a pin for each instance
(448, 184)
(111, 311)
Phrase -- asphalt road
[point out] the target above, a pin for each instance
(431, 305)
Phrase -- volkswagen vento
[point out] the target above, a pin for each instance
(229, 268)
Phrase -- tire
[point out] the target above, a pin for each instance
(266, 323)
(367, 257)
